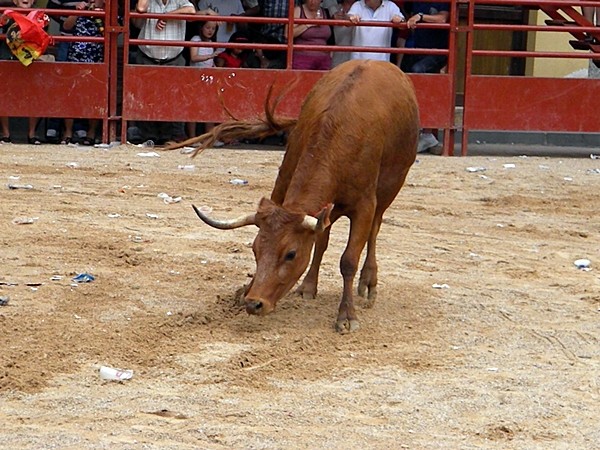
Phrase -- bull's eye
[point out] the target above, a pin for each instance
(290, 255)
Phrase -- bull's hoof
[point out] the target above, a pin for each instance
(370, 297)
(347, 326)
(307, 294)
(362, 289)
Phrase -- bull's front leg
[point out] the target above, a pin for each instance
(347, 321)
(308, 288)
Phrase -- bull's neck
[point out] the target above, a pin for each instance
(309, 192)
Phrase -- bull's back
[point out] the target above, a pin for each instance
(360, 124)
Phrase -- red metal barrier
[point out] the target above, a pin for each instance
(65, 90)
(201, 95)
(530, 103)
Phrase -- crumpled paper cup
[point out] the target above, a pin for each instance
(112, 374)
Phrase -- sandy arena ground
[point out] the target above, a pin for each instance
(505, 355)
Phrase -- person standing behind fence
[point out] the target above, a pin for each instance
(423, 12)
(202, 57)
(376, 11)
(54, 125)
(309, 34)
(85, 52)
(342, 34)
(162, 30)
(7, 55)
(224, 8)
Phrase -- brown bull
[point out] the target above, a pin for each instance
(347, 155)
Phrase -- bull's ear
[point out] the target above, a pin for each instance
(323, 218)
(265, 205)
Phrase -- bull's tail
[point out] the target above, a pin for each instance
(234, 129)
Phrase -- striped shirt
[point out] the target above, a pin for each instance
(173, 31)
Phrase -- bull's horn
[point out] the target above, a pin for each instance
(225, 224)
(320, 222)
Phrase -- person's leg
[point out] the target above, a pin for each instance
(68, 136)
(31, 134)
(5, 135)
(54, 124)
(429, 64)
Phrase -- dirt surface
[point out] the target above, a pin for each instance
(505, 355)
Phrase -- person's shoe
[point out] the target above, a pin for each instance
(426, 141)
(5, 140)
(52, 136)
(134, 136)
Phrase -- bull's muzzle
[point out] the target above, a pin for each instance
(258, 307)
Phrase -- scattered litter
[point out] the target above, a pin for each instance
(83, 278)
(186, 150)
(149, 155)
(167, 413)
(151, 216)
(168, 199)
(109, 373)
(476, 169)
(238, 182)
(583, 264)
(4, 300)
(492, 369)
(440, 286)
(187, 168)
(136, 239)
(568, 178)
(541, 166)
(106, 146)
(56, 278)
(509, 166)
(114, 215)
(24, 220)
(148, 144)
(593, 171)
(594, 156)
(73, 165)
(14, 177)
(20, 186)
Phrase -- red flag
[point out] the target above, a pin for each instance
(26, 37)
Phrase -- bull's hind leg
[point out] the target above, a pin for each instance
(308, 288)
(368, 274)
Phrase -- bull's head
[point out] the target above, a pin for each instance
(282, 249)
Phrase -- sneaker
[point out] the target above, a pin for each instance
(52, 136)
(426, 141)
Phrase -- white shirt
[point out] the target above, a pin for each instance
(373, 36)
(202, 51)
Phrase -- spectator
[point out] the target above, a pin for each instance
(233, 57)
(6, 54)
(223, 8)
(164, 30)
(309, 34)
(88, 52)
(342, 34)
(423, 12)
(273, 33)
(54, 125)
(373, 10)
(202, 57)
